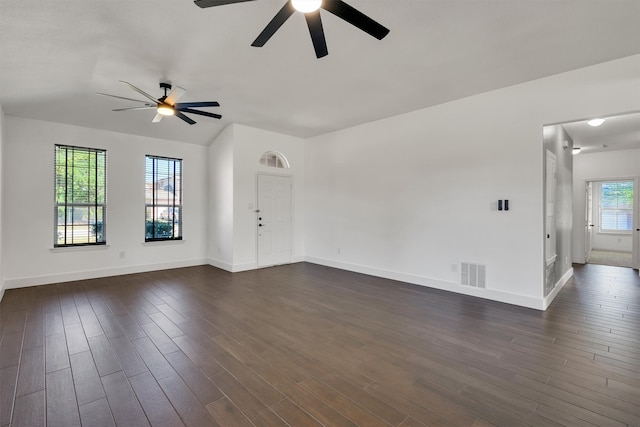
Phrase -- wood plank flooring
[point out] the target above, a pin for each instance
(306, 345)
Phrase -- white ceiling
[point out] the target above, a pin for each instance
(55, 54)
(619, 132)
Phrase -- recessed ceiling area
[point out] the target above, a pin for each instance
(55, 56)
(617, 132)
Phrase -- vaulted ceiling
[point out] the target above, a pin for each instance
(56, 54)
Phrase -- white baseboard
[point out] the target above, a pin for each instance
(1, 291)
(556, 290)
(232, 268)
(220, 264)
(244, 267)
(500, 296)
(93, 274)
(236, 268)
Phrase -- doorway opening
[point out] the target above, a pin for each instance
(609, 222)
(606, 189)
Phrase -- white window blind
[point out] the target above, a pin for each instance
(616, 206)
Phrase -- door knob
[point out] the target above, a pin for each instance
(259, 225)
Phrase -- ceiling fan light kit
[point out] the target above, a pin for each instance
(306, 6)
(311, 11)
(165, 110)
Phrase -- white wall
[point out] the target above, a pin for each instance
(594, 167)
(2, 239)
(233, 158)
(558, 142)
(408, 196)
(220, 215)
(28, 236)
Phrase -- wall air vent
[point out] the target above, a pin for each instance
(474, 275)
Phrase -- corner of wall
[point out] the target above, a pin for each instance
(546, 302)
(2, 143)
(220, 209)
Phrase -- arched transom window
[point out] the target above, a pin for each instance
(274, 160)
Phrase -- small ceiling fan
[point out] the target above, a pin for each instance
(166, 105)
(311, 10)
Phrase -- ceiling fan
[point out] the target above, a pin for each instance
(311, 10)
(166, 105)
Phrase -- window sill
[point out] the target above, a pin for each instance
(163, 242)
(79, 248)
(615, 233)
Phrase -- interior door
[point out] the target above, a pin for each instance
(588, 222)
(274, 220)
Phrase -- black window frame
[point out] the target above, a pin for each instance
(68, 199)
(156, 227)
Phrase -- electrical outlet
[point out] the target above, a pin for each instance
(454, 268)
(123, 254)
(338, 250)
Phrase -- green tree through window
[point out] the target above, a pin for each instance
(616, 207)
(80, 196)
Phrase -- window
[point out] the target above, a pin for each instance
(80, 196)
(274, 160)
(616, 206)
(163, 194)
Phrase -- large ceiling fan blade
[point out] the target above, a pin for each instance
(185, 118)
(141, 92)
(202, 113)
(317, 33)
(147, 103)
(211, 3)
(271, 28)
(175, 94)
(157, 118)
(356, 18)
(180, 105)
(135, 108)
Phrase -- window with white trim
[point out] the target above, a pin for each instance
(80, 196)
(163, 198)
(274, 160)
(616, 206)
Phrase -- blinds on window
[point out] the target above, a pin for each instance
(616, 208)
(80, 196)
(163, 198)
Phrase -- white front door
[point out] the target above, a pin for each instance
(274, 220)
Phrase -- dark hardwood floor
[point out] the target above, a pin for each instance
(305, 345)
